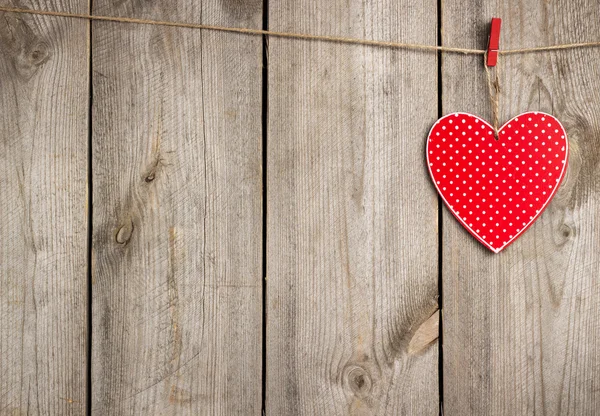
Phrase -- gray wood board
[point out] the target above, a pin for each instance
(352, 217)
(177, 272)
(43, 211)
(521, 328)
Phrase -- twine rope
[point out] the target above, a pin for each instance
(494, 91)
(291, 35)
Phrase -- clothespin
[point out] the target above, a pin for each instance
(494, 42)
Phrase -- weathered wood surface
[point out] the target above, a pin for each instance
(352, 218)
(43, 211)
(521, 329)
(177, 272)
(352, 236)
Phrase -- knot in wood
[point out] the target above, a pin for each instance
(124, 233)
(30, 59)
(150, 177)
(566, 231)
(359, 381)
(38, 54)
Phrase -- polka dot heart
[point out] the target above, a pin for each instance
(497, 188)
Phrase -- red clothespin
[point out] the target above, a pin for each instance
(494, 42)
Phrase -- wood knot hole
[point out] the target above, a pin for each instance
(566, 231)
(31, 58)
(124, 233)
(39, 55)
(151, 176)
(359, 381)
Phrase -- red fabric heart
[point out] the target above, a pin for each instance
(497, 188)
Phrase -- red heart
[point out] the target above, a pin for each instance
(497, 188)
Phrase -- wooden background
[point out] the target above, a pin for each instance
(205, 223)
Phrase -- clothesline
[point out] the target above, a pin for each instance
(303, 36)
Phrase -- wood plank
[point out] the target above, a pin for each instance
(352, 217)
(177, 286)
(43, 210)
(521, 329)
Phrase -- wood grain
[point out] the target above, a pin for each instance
(352, 230)
(43, 211)
(521, 329)
(177, 287)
